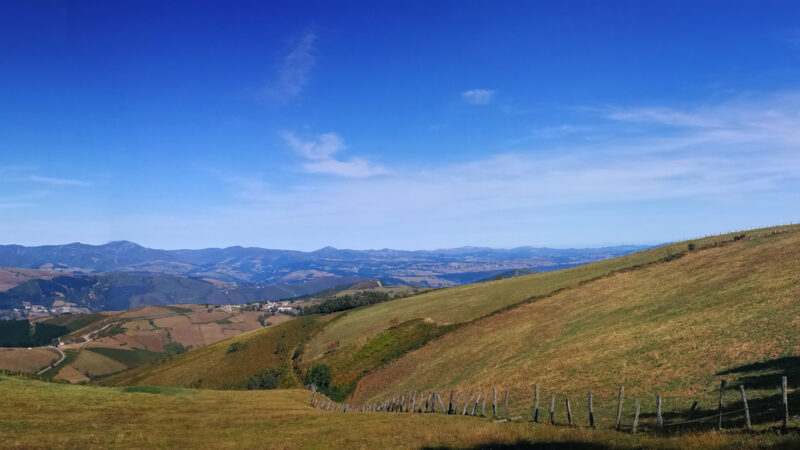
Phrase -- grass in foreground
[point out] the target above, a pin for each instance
(38, 414)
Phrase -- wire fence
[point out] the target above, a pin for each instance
(431, 402)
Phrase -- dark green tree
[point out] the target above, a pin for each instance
(319, 376)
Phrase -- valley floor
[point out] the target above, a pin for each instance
(39, 414)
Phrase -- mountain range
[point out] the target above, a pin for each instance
(431, 268)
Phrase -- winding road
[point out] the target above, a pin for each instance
(55, 363)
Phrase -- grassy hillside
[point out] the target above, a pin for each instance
(234, 362)
(673, 328)
(50, 415)
(465, 303)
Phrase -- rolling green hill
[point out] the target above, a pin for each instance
(510, 333)
(674, 328)
(233, 363)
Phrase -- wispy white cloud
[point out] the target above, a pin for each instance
(717, 154)
(319, 153)
(52, 181)
(294, 71)
(478, 96)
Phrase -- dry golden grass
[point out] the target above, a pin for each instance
(70, 375)
(27, 360)
(469, 302)
(666, 328)
(96, 364)
(48, 415)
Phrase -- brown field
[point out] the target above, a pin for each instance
(190, 325)
(126, 341)
(211, 333)
(96, 364)
(206, 317)
(147, 311)
(152, 340)
(173, 322)
(70, 375)
(139, 325)
(27, 360)
(188, 336)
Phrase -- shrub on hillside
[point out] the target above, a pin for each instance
(267, 379)
(319, 376)
(235, 347)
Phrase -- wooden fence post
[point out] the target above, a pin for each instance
(619, 406)
(591, 411)
(569, 413)
(722, 385)
(505, 402)
(450, 403)
(483, 408)
(659, 417)
(441, 404)
(466, 403)
(785, 399)
(552, 408)
(535, 403)
(413, 400)
(475, 406)
(494, 403)
(455, 406)
(635, 418)
(747, 423)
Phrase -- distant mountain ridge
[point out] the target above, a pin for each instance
(114, 291)
(434, 268)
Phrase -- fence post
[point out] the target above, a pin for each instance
(455, 406)
(658, 412)
(466, 403)
(569, 413)
(413, 400)
(619, 406)
(785, 404)
(475, 406)
(441, 404)
(494, 403)
(429, 403)
(535, 403)
(450, 403)
(505, 404)
(591, 411)
(635, 418)
(747, 423)
(552, 407)
(722, 385)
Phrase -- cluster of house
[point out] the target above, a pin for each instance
(276, 306)
(268, 306)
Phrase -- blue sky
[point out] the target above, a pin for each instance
(396, 124)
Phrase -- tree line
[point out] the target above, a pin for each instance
(345, 302)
